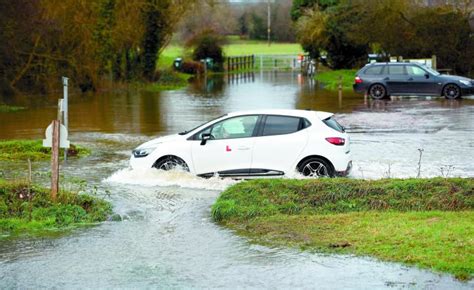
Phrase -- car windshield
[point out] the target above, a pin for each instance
(431, 71)
(190, 130)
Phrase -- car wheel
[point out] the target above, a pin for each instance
(377, 92)
(316, 167)
(451, 91)
(171, 162)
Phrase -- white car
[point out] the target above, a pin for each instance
(254, 144)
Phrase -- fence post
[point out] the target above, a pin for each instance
(433, 62)
(55, 160)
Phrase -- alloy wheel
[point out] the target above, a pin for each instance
(315, 169)
(452, 91)
(377, 91)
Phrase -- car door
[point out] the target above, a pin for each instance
(396, 79)
(281, 140)
(229, 152)
(420, 81)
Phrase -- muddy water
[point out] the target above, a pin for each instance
(167, 240)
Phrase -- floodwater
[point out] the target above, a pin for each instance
(166, 238)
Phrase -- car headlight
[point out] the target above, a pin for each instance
(467, 83)
(142, 152)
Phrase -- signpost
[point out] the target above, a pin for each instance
(56, 137)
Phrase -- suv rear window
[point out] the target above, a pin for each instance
(375, 70)
(396, 70)
(278, 125)
(331, 122)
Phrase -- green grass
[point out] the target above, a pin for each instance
(169, 80)
(234, 47)
(33, 149)
(30, 210)
(330, 79)
(423, 222)
(9, 109)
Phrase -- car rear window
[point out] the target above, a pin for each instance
(375, 70)
(331, 122)
(277, 125)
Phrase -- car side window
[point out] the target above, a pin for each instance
(237, 127)
(396, 70)
(375, 70)
(277, 125)
(415, 71)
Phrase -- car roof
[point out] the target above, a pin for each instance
(286, 112)
(393, 63)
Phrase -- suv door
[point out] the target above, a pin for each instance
(418, 82)
(396, 78)
(279, 143)
(230, 149)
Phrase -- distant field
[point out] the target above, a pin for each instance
(233, 48)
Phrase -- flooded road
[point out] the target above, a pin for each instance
(166, 238)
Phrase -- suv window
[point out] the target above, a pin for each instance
(374, 70)
(236, 127)
(331, 122)
(278, 125)
(396, 70)
(415, 71)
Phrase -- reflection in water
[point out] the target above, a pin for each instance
(154, 113)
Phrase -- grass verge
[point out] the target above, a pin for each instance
(423, 222)
(330, 79)
(30, 210)
(33, 149)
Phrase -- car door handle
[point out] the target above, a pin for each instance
(386, 79)
(243, 148)
(410, 79)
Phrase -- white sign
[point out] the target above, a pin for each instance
(63, 134)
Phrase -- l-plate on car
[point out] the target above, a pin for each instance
(254, 144)
(380, 80)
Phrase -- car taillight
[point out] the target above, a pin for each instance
(336, 141)
(358, 80)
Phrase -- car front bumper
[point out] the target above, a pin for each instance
(467, 91)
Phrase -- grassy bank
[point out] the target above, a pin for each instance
(424, 222)
(30, 210)
(330, 79)
(34, 150)
(169, 80)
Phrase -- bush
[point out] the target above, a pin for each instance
(208, 44)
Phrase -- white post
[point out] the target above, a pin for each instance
(269, 22)
(65, 109)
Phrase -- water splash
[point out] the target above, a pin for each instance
(152, 177)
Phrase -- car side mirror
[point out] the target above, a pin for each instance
(427, 76)
(205, 137)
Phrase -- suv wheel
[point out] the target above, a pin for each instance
(316, 167)
(377, 92)
(451, 91)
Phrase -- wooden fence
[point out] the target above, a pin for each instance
(244, 62)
